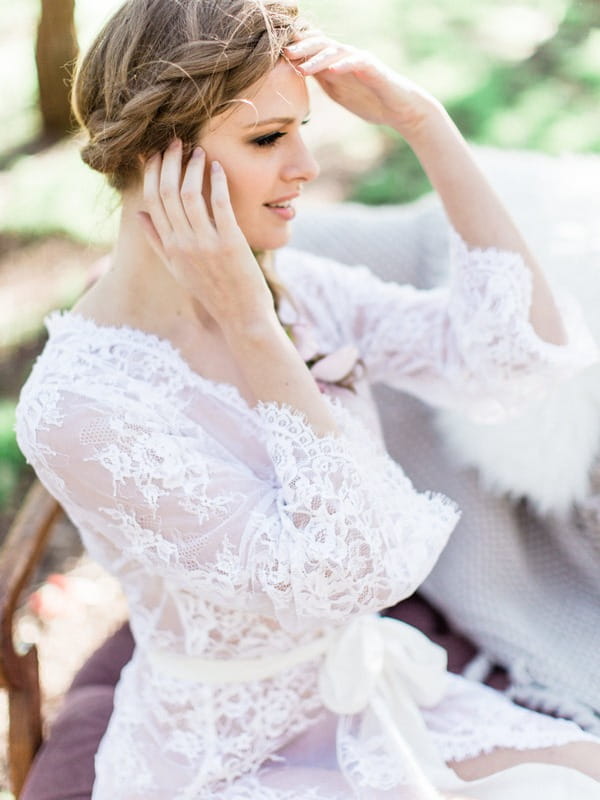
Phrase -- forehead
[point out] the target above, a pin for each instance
(281, 93)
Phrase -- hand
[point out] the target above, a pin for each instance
(209, 258)
(363, 84)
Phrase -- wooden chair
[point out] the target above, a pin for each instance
(20, 554)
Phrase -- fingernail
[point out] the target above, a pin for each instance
(216, 167)
(198, 152)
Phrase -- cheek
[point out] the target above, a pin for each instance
(248, 179)
(244, 191)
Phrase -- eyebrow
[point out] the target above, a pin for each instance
(275, 120)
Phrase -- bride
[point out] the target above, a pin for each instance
(204, 416)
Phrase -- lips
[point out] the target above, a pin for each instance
(283, 207)
(286, 213)
(282, 202)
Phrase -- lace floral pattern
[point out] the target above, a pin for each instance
(498, 724)
(469, 346)
(239, 533)
(371, 766)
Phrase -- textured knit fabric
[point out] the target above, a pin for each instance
(545, 543)
(238, 533)
(520, 573)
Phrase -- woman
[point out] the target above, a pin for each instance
(253, 518)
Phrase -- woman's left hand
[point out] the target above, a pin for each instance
(363, 84)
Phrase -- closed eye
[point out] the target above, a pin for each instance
(269, 139)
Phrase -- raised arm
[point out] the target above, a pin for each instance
(365, 86)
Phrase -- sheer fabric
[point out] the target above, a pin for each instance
(238, 533)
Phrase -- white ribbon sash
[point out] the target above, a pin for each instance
(384, 667)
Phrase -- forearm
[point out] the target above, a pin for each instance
(365, 86)
(275, 373)
(475, 210)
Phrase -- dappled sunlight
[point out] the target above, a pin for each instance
(513, 32)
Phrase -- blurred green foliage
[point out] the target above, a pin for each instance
(11, 460)
(512, 73)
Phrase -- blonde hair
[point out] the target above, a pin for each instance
(160, 69)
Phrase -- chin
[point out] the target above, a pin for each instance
(272, 241)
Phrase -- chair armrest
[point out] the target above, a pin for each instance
(20, 553)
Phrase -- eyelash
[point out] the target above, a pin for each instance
(268, 140)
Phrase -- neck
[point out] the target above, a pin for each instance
(142, 284)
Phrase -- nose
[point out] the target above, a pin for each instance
(300, 165)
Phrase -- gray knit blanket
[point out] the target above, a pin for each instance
(520, 575)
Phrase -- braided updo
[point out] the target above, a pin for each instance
(161, 69)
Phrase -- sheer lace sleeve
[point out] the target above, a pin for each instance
(345, 516)
(468, 346)
(332, 527)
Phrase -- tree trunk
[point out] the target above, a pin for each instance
(55, 55)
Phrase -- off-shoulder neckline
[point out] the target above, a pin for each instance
(222, 389)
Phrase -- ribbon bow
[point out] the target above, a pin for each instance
(388, 668)
(371, 652)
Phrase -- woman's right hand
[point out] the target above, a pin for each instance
(205, 251)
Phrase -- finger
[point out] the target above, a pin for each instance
(170, 188)
(309, 33)
(351, 63)
(191, 191)
(220, 201)
(322, 60)
(152, 199)
(305, 48)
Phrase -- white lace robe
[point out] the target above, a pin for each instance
(238, 533)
